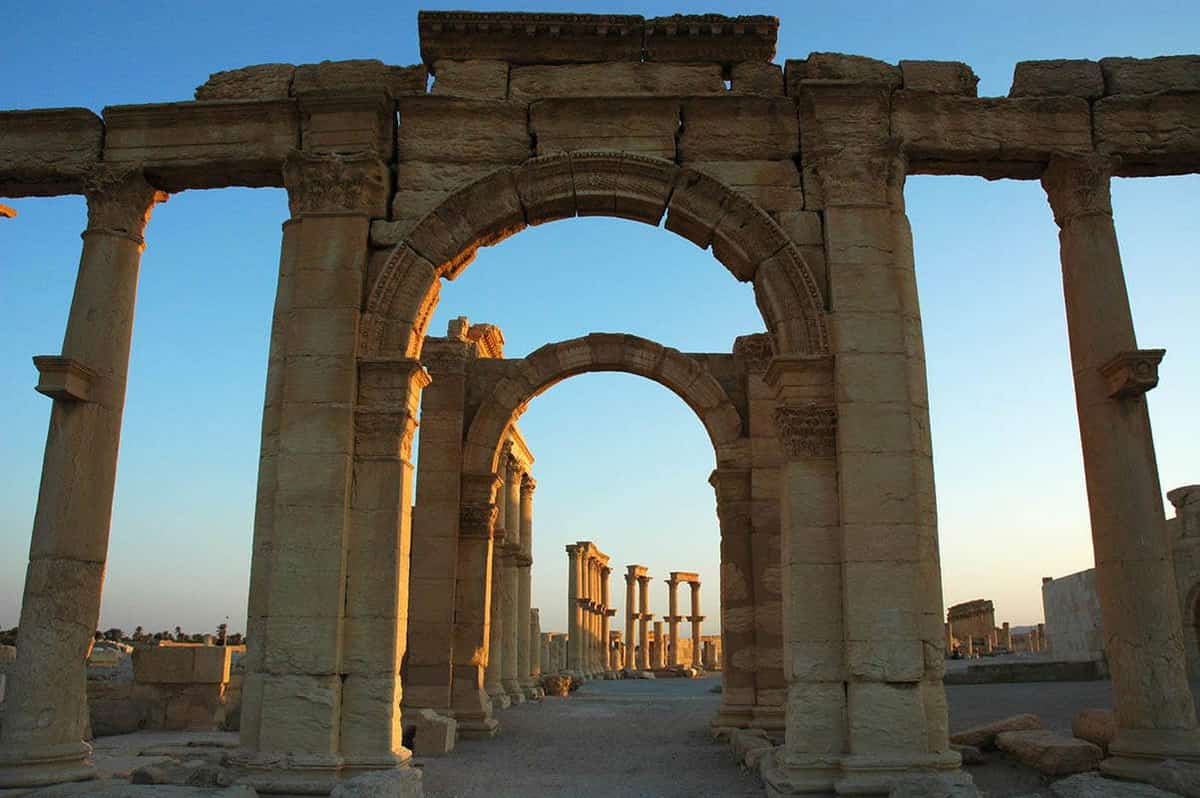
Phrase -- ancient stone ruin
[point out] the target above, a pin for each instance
(793, 177)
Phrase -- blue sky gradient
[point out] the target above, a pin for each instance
(620, 460)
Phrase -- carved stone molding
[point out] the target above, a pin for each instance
(528, 484)
(1131, 374)
(119, 200)
(807, 430)
(860, 176)
(1078, 187)
(756, 350)
(329, 183)
(477, 519)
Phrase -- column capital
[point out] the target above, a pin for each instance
(528, 484)
(573, 551)
(477, 519)
(119, 200)
(358, 183)
(515, 469)
(1078, 187)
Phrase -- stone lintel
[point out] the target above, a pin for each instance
(529, 38)
(204, 144)
(63, 378)
(683, 576)
(47, 152)
(696, 618)
(357, 119)
(1131, 374)
(992, 137)
(1151, 134)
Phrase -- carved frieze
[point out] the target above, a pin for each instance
(755, 351)
(808, 430)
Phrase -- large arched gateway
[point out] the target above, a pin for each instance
(794, 179)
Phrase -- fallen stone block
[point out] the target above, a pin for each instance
(434, 733)
(745, 740)
(556, 685)
(970, 754)
(401, 783)
(1093, 785)
(1177, 777)
(984, 737)
(1097, 726)
(1050, 753)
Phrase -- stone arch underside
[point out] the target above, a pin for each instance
(743, 237)
(547, 366)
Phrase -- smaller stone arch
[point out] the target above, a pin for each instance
(743, 237)
(526, 378)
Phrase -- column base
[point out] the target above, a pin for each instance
(478, 729)
(512, 689)
(874, 774)
(734, 716)
(314, 774)
(1134, 753)
(795, 774)
(39, 766)
(500, 699)
(769, 718)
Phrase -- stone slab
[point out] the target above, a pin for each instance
(477, 79)
(204, 144)
(1050, 753)
(1151, 75)
(940, 77)
(985, 736)
(711, 38)
(1153, 134)
(258, 82)
(1075, 77)
(737, 128)
(641, 125)
(47, 152)
(456, 130)
(1093, 785)
(361, 73)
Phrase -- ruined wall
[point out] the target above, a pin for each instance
(1072, 612)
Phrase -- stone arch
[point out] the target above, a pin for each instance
(553, 363)
(743, 237)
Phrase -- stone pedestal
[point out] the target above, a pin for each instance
(46, 711)
(1134, 570)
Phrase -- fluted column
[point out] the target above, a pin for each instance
(696, 618)
(1135, 574)
(644, 618)
(630, 615)
(574, 611)
(46, 709)
(526, 656)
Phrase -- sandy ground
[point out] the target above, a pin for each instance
(635, 738)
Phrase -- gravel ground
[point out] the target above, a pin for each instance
(610, 739)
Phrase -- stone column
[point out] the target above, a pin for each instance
(605, 623)
(673, 619)
(696, 618)
(658, 650)
(1134, 569)
(574, 612)
(46, 711)
(536, 646)
(477, 527)
(1006, 637)
(630, 615)
(513, 622)
(525, 643)
(644, 618)
(496, 611)
(590, 616)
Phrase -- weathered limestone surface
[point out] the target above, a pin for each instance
(1151, 75)
(1050, 753)
(1097, 726)
(525, 38)
(749, 77)
(646, 126)
(48, 151)
(985, 736)
(1058, 78)
(1092, 785)
(259, 82)
(711, 38)
(475, 79)
(939, 77)
(528, 83)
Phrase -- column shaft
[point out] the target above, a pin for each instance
(46, 712)
(1134, 569)
(574, 630)
(630, 618)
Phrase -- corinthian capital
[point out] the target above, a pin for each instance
(119, 200)
(331, 183)
(1078, 187)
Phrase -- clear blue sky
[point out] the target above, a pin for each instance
(619, 460)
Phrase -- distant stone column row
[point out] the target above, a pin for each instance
(588, 610)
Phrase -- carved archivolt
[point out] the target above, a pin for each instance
(742, 235)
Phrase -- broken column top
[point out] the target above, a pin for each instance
(684, 576)
(527, 38)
